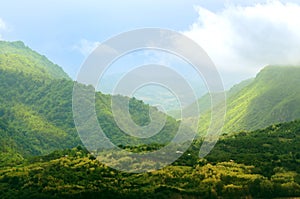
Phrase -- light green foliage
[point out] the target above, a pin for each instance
(15, 56)
(75, 173)
(272, 97)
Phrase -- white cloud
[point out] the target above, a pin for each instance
(3, 27)
(240, 40)
(86, 47)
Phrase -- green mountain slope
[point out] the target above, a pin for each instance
(272, 97)
(27, 127)
(15, 56)
(204, 103)
(36, 109)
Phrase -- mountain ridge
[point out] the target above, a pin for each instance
(18, 57)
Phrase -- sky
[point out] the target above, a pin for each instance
(240, 36)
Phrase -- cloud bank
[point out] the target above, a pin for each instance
(241, 40)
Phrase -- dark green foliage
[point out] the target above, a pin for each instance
(32, 115)
(275, 146)
(37, 116)
(74, 173)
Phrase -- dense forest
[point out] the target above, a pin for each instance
(259, 164)
(36, 116)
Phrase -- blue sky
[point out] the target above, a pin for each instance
(55, 27)
(240, 36)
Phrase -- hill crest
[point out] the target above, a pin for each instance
(17, 57)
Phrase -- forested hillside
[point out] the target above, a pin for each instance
(272, 97)
(36, 108)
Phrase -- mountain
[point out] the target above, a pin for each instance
(204, 103)
(41, 155)
(36, 108)
(26, 77)
(271, 97)
(16, 57)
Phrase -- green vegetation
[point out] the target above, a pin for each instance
(204, 103)
(268, 99)
(275, 146)
(36, 109)
(41, 155)
(30, 124)
(16, 57)
(259, 164)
